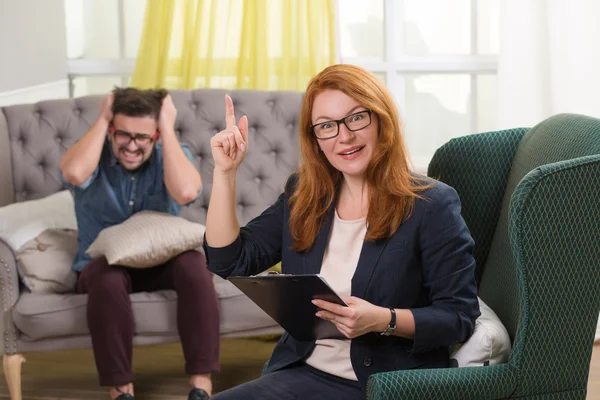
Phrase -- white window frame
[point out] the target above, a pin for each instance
(394, 67)
(122, 66)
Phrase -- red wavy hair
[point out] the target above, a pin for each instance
(392, 187)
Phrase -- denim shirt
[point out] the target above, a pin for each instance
(112, 194)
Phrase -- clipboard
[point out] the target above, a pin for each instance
(287, 299)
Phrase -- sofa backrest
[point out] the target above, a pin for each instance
(33, 137)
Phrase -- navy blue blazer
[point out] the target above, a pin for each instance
(427, 267)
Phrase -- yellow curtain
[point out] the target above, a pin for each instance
(250, 44)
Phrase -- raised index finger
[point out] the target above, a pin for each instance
(229, 114)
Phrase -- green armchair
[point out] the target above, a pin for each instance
(531, 198)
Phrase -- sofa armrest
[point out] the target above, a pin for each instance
(9, 294)
(493, 382)
(9, 277)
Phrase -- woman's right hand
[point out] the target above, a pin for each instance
(230, 145)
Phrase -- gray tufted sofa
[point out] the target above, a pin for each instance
(32, 139)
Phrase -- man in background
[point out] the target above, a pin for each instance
(130, 161)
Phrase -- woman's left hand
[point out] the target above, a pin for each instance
(358, 318)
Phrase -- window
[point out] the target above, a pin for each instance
(102, 42)
(437, 57)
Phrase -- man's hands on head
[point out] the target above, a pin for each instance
(167, 117)
(106, 114)
(80, 160)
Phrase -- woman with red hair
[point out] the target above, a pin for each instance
(391, 242)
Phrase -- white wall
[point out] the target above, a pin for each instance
(33, 55)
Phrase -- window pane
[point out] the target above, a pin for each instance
(95, 85)
(381, 76)
(75, 28)
(361, 29)
(487, 103)
(436, 27)
(133, 14)
(488, 16)
(437, 109)
(101, 24)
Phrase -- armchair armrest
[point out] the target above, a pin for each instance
(9, 294)
(493, 382)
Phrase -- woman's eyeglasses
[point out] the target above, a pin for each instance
(354, 122)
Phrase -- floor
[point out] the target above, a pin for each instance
(70, 375)
(159, 373)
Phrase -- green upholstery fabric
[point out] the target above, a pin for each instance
(477, 166)
(562, 137)
(542, 272)
(453, 383)
(555, 237)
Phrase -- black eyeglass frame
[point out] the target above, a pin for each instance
(135, 138)
(342, 121)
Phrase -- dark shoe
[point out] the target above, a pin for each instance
(198, 394)
(125, 396)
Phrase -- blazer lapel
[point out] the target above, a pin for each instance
(369, 256)
(314, 257)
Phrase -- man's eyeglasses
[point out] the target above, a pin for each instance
(354, 122)
(123, 138)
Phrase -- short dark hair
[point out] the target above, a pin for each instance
(134, 102)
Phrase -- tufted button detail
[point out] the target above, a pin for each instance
(178, 132)
(58, 139)
(271, 103)
(215, 131)
(194, 106)
(290, 126)
(42, 246)
(258, 179)
(274, 153)
(367, 361)
(253, 129)
(77, 111)
(37, 114)
(24, 193)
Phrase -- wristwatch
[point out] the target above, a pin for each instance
(392, 325)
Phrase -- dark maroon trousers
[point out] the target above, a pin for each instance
(110, 316)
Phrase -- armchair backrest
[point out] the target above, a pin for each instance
(541, 260)
(541, 271)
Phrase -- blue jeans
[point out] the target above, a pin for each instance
(297, 382)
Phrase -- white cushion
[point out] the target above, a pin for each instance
(488, 345)
(44, 263)
(147, 239)
(24, 221)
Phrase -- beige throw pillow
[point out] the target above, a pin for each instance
(147, 239)
(44, 263)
